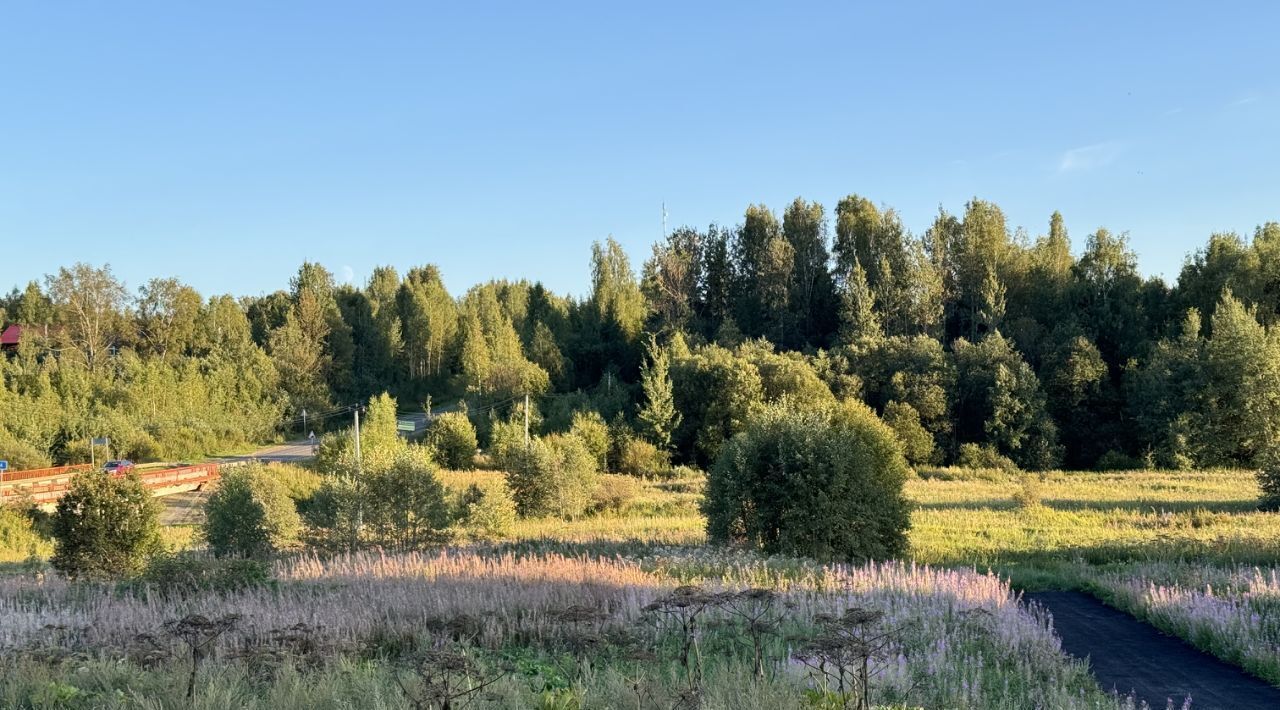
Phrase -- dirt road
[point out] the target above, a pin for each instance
(1128, 655)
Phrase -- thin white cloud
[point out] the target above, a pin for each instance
(348, 274)
(1245, 101)
(1173, 111)
(1090, 157)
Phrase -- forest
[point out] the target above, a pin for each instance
(975, 342)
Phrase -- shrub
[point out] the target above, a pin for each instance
(824, 482)
(453, 438)
(185, 574)
(1114, 460)
(613, 493)
(917, 443)
(20, 536)
(404, 503)
(555, 476)
(1030, 487)
(590, 427)
(299, 483)
(332, 512)
(684, 473)
(487, 512)
(979, 457)
(105, 526)
(638, 457)
(250, 514)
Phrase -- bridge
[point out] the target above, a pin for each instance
(44, 486)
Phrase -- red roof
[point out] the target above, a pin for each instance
(11, 335)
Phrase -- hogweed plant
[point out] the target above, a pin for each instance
(444, 679)
(199, 633)
(761, 613)
(846, 653)
(679, 611)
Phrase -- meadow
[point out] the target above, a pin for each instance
(632, 609)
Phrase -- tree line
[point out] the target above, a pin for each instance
(976, 343)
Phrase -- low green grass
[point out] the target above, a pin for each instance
(1093, 519)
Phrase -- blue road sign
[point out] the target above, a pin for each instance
(4, 465)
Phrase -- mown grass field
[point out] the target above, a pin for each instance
(561, 605)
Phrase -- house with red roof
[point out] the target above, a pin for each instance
(10, 338)
(15, 334)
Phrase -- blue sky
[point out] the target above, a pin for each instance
(225, 142)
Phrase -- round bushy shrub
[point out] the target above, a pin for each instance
(824, 482)
(404, 504)
(614, 493)
(487, 512)
(637, 457)
(183, 575)
(975, 457)
(554, 475)
(250, 514)
(105, 526)
(453, 438)
(1030, 490)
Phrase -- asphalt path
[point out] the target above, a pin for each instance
(1131, 656)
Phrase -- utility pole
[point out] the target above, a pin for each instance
(526, 420)
(304, 420)
(93, 461)
(356, 411)
(355, 534)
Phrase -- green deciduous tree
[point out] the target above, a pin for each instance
(88, 304)
(999, 402)
(715, 392)
(859, 323)
(917, 443)
(403, 503)
(812, 296)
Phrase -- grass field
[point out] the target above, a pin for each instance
(1187, 551)
(557, 612)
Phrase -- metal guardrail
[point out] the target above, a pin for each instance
(51, 487)
(30, 473)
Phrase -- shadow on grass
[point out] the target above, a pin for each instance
(1074, 504)
(1068, 568)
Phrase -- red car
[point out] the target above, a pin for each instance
(118, 468)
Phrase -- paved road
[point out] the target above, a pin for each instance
(291, 452)
(300, 450)
(1128, 655)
